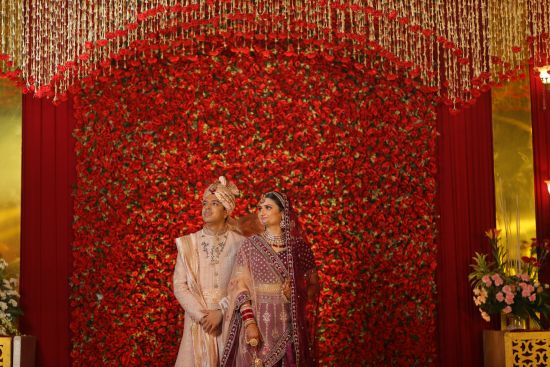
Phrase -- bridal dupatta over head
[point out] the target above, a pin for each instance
(287, 326)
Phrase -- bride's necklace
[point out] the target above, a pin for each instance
(274, 241)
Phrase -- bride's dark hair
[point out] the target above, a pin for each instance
(277, 198)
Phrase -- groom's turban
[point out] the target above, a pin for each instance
(225, 191)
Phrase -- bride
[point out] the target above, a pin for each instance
(273, 293)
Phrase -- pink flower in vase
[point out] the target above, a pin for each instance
(526, 289)
(507, 309)
(486, 280)
(507, 289)
(509, 299)
(500, 297)
(524, 277)
(533, 297)
(497, 279)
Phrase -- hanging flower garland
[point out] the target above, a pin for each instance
(353, 147)
(460, 48)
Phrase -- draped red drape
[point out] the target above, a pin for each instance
(48, 169)
(540, 117)
(467, 209)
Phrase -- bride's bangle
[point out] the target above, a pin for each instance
(249, 322)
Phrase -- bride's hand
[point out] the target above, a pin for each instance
(253, 333)
(287, 291)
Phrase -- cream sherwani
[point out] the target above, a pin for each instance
(203, 269)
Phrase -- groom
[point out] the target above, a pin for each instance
(203, 267)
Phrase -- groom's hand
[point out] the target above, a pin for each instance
(211, 321)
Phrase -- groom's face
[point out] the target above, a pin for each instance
(213, 212)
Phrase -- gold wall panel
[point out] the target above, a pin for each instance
(513, 158)
(10, 173)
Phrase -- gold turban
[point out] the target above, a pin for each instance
(225, 191)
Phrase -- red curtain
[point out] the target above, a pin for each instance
(48, 169)
(467, 209)
(540, 120)
(540, 117)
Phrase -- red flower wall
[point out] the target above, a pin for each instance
(354, 148)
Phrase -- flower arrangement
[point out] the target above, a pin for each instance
(358, 147)
(507, 286)
(9, 302)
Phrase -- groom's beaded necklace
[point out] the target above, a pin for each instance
(213, 252)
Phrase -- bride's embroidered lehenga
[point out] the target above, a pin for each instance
(287, 325)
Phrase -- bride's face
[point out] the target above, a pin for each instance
(269, 213)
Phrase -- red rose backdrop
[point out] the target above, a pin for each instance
(354, 147)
